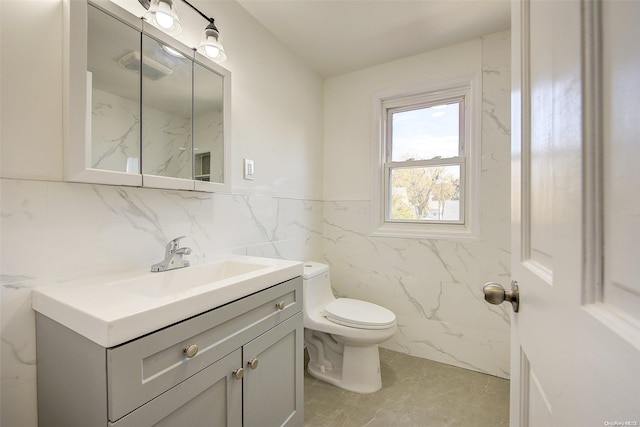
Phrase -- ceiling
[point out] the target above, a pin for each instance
(336, 37)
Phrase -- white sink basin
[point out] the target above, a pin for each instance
(113, 309)
(175, 281)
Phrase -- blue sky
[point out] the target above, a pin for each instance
(426, 133)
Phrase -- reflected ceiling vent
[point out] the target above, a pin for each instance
(151, 69)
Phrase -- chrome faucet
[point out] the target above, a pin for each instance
(173, 257)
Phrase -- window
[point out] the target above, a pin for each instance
(427, 151)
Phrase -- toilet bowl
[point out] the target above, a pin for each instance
(342, 334)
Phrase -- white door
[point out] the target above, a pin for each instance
(576, 213)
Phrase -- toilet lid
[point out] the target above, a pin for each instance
(359, 314)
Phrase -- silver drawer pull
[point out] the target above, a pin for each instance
(281, 305)
(253, 363)
(190, 350)
(238, 373)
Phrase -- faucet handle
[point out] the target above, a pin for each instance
(173, 245)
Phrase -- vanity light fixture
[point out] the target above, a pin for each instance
(211, 43)
(162, 14)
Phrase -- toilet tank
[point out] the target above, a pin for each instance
(313, 269)
(316, 286)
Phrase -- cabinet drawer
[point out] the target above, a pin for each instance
(142, 369)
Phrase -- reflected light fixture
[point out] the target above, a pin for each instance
(171, 51)
(162, 14)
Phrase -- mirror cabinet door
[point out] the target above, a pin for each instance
(167, 80)
(113, 94)
(208, 121)
(140, 110)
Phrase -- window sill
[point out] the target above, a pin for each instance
(426, 231)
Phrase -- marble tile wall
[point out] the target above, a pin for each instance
(434, 286)
(54, 231)
(166, 137)
(115, 131)
(208, 136)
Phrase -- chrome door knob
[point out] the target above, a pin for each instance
(253, 363)
(494, 293)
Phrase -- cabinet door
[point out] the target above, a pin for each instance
(273, 394)
(212, 397)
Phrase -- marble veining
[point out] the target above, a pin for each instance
(17, 351)
(412, 299)
(166, 138)
(434, 285)
(115, 131)
(434, 249)
(82, 230)
(449, 355)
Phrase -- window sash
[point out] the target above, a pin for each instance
(390, 109)
(410, 164)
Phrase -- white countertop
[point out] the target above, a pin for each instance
(113, 309)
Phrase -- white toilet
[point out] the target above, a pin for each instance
(342, 335)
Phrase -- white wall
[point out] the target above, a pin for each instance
(433, 286)
(53, 231)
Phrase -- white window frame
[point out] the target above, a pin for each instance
(468, 87)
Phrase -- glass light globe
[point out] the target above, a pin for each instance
(164, 20)
(211, 51)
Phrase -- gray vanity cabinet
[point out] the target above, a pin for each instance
(273, 390)
(240, 364)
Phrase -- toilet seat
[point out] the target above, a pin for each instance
(358, 314)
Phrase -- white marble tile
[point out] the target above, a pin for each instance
(18, 359)
(166, 137)
(24, 228)
(115, 131)
(434, 286)
(54, 231)
(166, 144)
(19, 406)
(484, 351)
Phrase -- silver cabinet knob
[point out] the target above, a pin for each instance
(190, 350)
(281, 305)
(494, 293)
(253, 363)
(238, 373)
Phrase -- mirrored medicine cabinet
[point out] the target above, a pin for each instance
(142, 109)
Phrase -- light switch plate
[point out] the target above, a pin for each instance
(248, 169)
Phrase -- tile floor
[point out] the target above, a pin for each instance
(415, 393)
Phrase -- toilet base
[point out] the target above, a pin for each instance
(359, 373)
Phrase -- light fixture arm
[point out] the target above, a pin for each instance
(146, 4)
(210, 44)
(197, 10)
